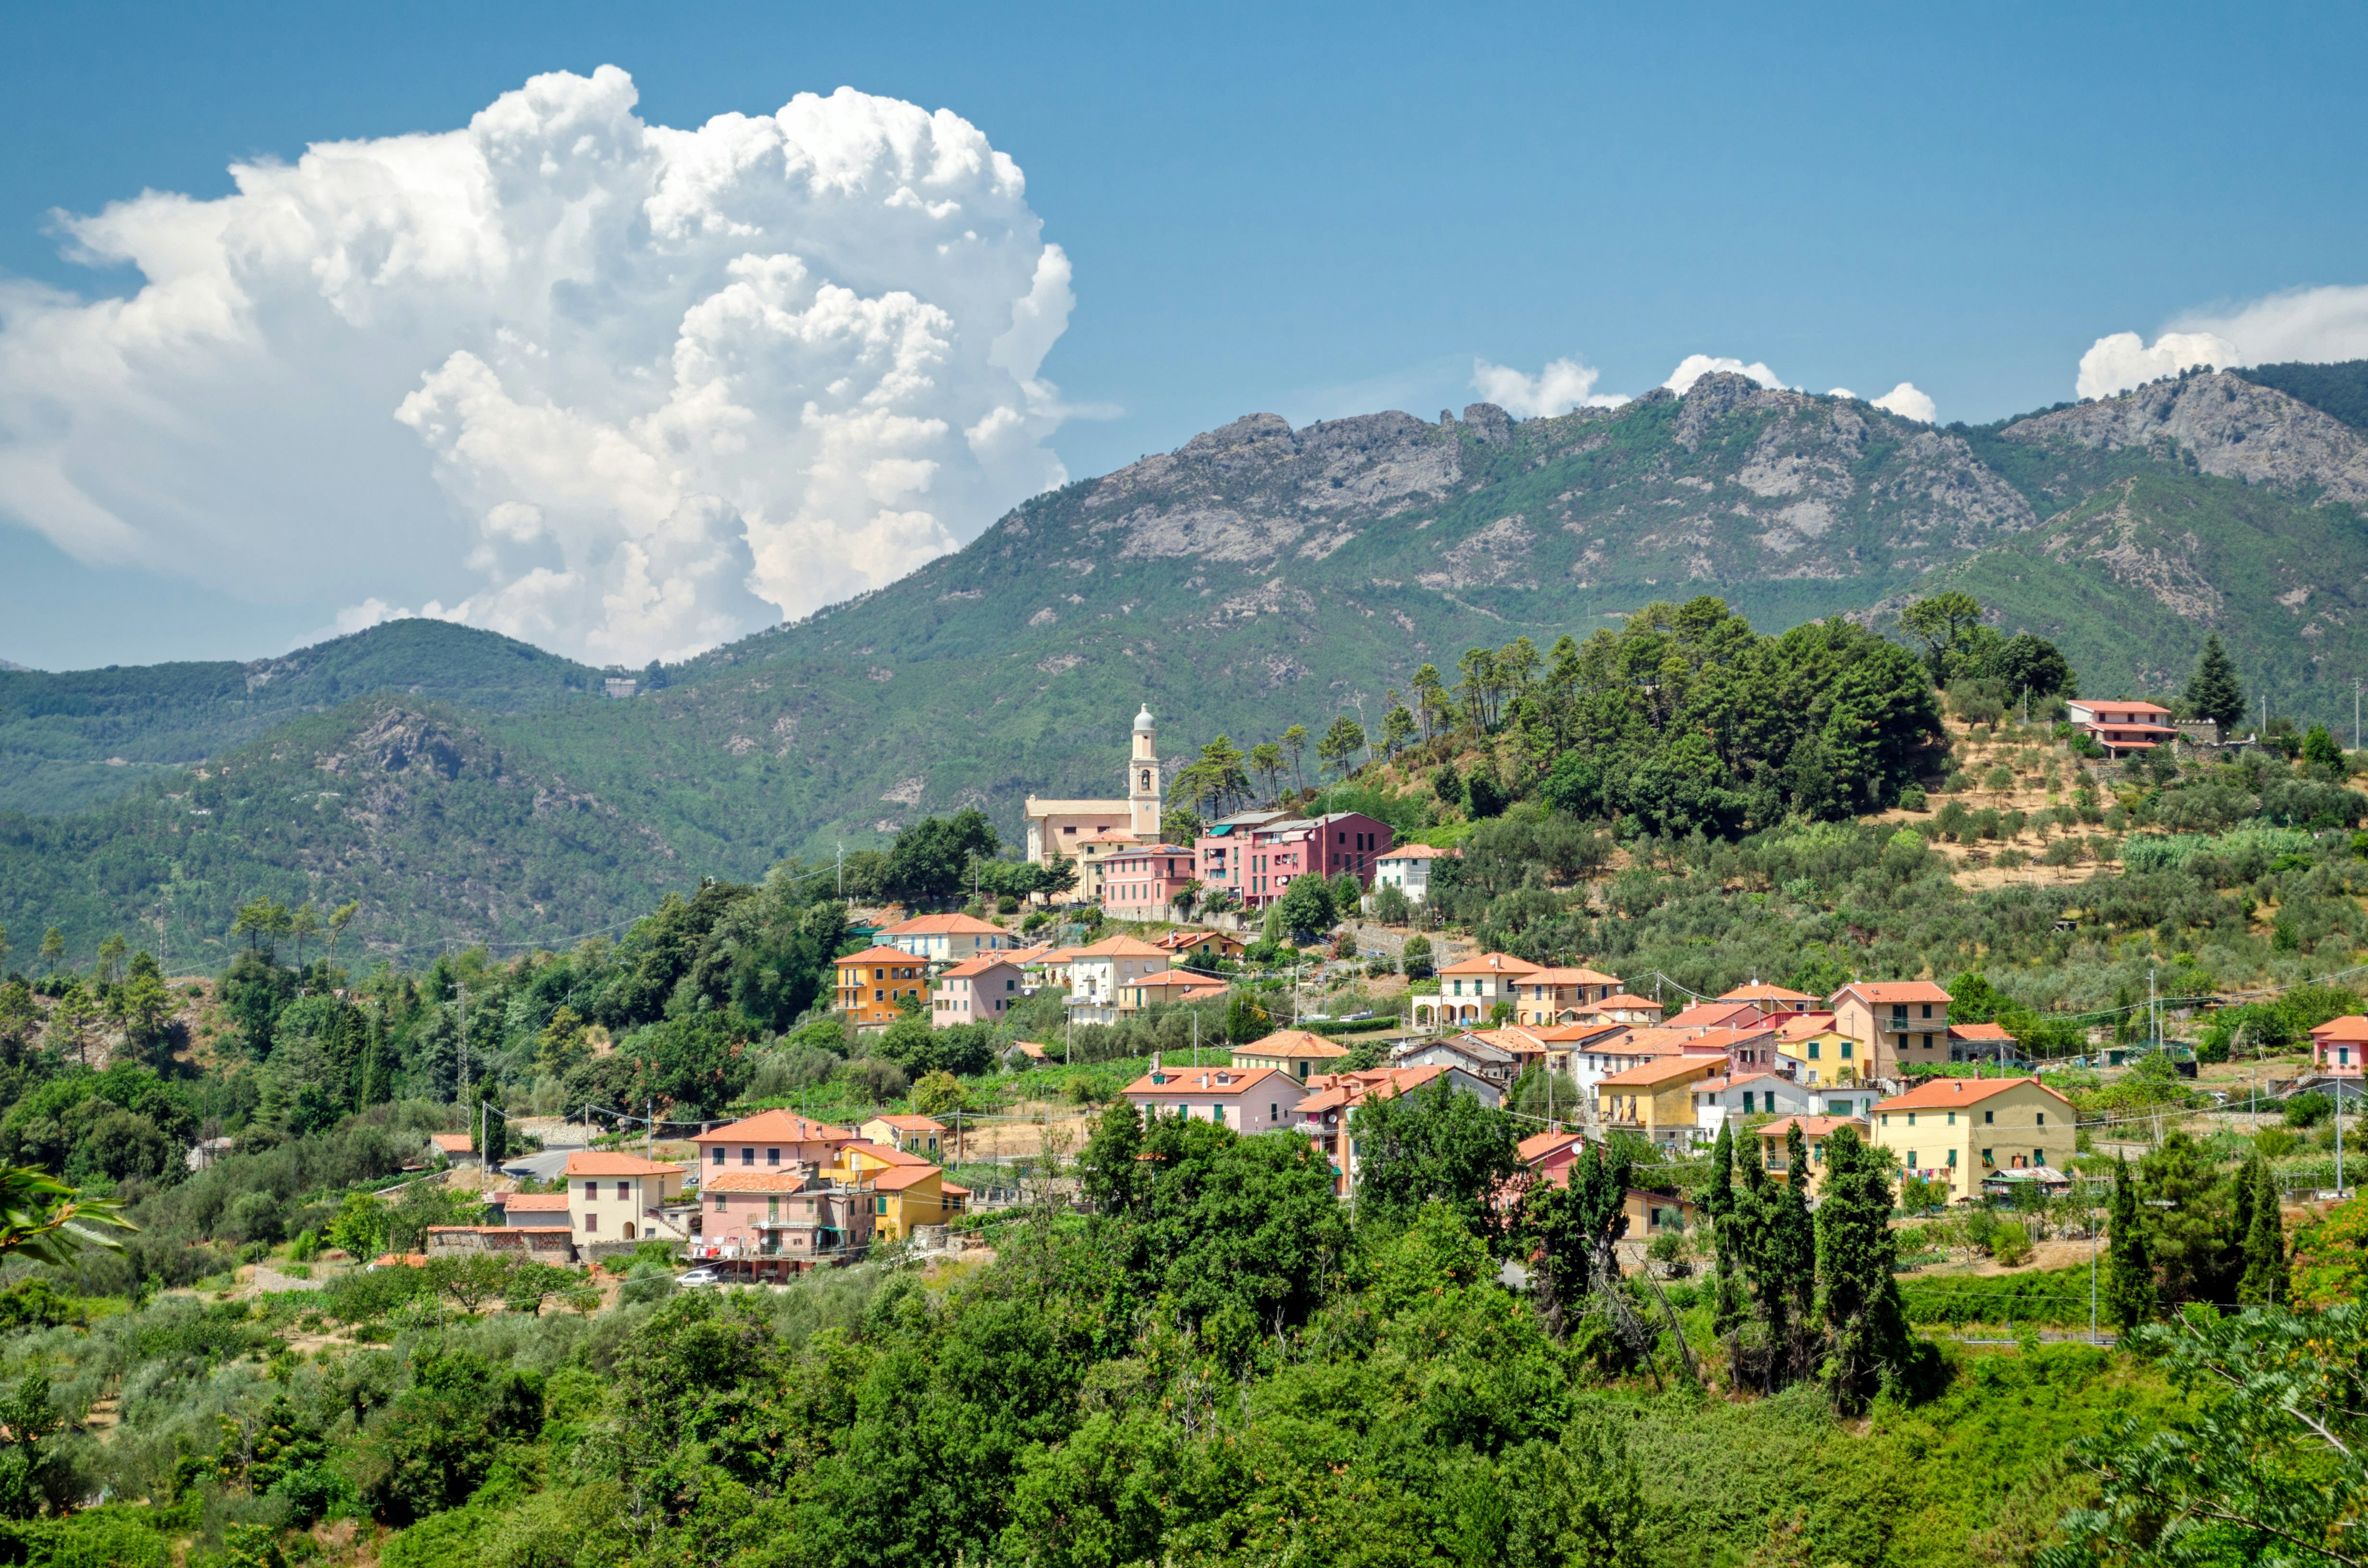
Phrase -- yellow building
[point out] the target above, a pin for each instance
(903, 1189)
(1822, 1057)
(1656, 1098)
(1961, 1130)
(913, 1134)
(1294, 1052)
(874, 983)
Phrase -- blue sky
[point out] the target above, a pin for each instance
(1322, 212)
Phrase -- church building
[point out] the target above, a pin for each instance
(1089, 831)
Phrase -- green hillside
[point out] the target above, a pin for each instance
(1259, 576)
(73, 740)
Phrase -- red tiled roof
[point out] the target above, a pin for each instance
(537, 1202)
(1627, 1002)
(2348, 1028)
(1980, 1031)
(877, 956)
(1292, 1043)
(1764, 993)
(1122, 947)
(1416, 852)
(909, 1123)
(944, 925)
(452, 1143)
(1646, 1073)
(1895, 991)
(898, 1177)
(1947, 1094)
(1539, 1145)
(1491, 963)
(887, 1154)
(1800, 1026)
(979, 964)
(1204, 1081)
(1711, 1014)
(778, 1127)
(728, 1180)
(586, 1162)
(1811, 1125)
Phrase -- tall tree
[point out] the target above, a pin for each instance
(1429, 699)
(1435, 1145)
(1718, 1208)
(1266, 761)
(1294, 744)
(2214, 691)
(1858, 1297)
(53, 949)
(1339, 748)
(1944, 624)
(2263, 1283)
(2130, 1295)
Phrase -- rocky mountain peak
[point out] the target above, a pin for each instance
(2234, 427)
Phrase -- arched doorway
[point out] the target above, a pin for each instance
(628, 1230)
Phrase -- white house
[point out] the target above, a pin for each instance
(946, 938)
(1097, 972)
(1407, 868)
(1773, 1094)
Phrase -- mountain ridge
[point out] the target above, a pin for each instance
(1256, 577)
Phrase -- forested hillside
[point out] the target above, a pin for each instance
(1257, 578)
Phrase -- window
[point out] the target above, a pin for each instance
(1911, 1159)
(1989, 1116)
(1747, 1102)
(1952, 1118)
(1911, 1121)
(772, 1207)
(720, 1203)
(879, 1205)
(1927, 1038)
(1813, 1051)
(772, 1156)
(624, 1192)
(591, 1222)
(1846, 1049)
(2043, 1118)
(1953, 1159)
(591, 1191)
(1928, 1009)
(748, 1156)
(1985, 1158)
(718, 1154)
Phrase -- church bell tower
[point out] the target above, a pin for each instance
(1143, 780)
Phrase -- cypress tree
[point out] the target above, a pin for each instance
(495, 1126)
(1858, 1297)
(377, 1078)
(1792, 1246)
(2129, 1296)
(2264, 1281)
(1718, 1204)
(2214, 691)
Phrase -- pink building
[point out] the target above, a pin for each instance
(1247, 1099)
(1141, 882)
(975, 991)
(1256, 854)
(794, 1215)
(771, 1140)
(2340, 1045)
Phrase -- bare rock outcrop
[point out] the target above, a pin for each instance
(2234, 427)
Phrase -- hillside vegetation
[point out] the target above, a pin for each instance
(1257, 578)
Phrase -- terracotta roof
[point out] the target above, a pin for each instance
(877, 955)
(2350, 1027)
(778, 1127)
(1644, 1040)
(979, 963)
(499, 1229)
(953, 1190)
(534, 1202)
(1728, 1038)
(1029, 954)
(1028, 1049)
(2099, 704)
(1577, 1034)
(1166, 977)
(1568, 977)
(1158, 849)
(1980, 1031)
(1895, 991)
(1720, 1086)
(585, 1162)
(1538, 1145)
(909, 1123)
(898, 1177)
(452, 1143)
(1292, 1043)
(1627, 1001)
(1204, 1081)
(943, 925)
(1947, 1094)
(1416, 852)
(1811, 1125)
(884, 1153)
(1343, 1089)
(1646, 1073)
(1060, 955)
(1490, 964)
(756, 1181)
(1800, 1026)
(1713, 1015)
(1122, 947)
(1764, 993)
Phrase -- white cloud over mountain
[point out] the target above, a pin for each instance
(1563, 385)
(622, 390)
(2318, 324)
(1694, 367)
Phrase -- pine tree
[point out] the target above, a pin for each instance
(2214, 691)
(2264, 1281)
(376, 1079)
(1858, 1298)
(2130, 1295)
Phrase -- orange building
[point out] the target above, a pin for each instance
(874, 982)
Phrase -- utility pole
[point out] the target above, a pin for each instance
(842, 873)
(463, 991)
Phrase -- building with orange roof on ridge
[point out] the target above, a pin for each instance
(978, 990)
(621, 1198)
(1470, 989)
(2340, 1046)
(1771, 999)
(1898, 1023)
(1656, 1098)
(772, 1140)
(874, 983)
(1549, 996)
(1097, 972)
(1325, 1115)
(946, 939)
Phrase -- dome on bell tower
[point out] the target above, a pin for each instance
(1142, 719)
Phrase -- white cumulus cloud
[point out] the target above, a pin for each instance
(2314, 324)
(1694, 367)
(1563, 385)
(2121, 360)
(1907, 402)
(617, 388)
